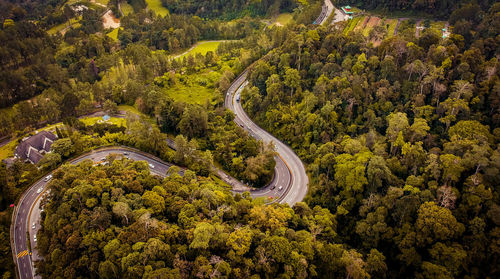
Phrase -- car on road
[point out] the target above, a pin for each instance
(47, 178)
(151, 166)
(34, 238)
(238, 98)
(39, 190)
(125, 153)
(34, 226)
(273, 187)
(280, 188)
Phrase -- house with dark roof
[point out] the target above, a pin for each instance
(33, 148)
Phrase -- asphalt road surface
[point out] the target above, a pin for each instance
(27, 216)
(290, 179)
(289, 184)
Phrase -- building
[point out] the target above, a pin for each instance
(33, 148)
(347, 10)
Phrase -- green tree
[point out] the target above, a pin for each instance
(64, 147)
(435, 223)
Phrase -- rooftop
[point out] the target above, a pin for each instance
(33, 148)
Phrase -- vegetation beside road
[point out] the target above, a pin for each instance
(176, 226)
(401, 139)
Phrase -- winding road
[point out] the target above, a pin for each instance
(290, 182)
(27, 216)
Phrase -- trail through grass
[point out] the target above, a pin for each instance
(74, 22)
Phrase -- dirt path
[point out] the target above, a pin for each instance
(418, 28)
(399, 22)
(446, 31)
(339, 16)
(362, 25)
(120, 9)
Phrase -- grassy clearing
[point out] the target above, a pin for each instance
(355, 10)
(7, 150)
(283, 19)
(74, 22)
(134, 110)
(193, 94)
(437, 26)
(361, 23)
(88, 121)
(114, 34)
(157, 7)
(374, 21)
(103, 2)
(351, 24)
(392, 26)
(130, 109)
(126, 8)
(202, 48)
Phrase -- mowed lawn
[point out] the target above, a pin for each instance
(157, 7)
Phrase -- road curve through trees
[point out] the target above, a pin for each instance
(289, 168)
(289, 184)
(27, 217)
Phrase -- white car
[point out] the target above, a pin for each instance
(48, 177)
(34, 238)
(151, 166)
(39, 190)
(280, 188)
(34, 226)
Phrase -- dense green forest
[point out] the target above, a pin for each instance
(228, 9)
(440, 8)
(401, 141)
(119, 221)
